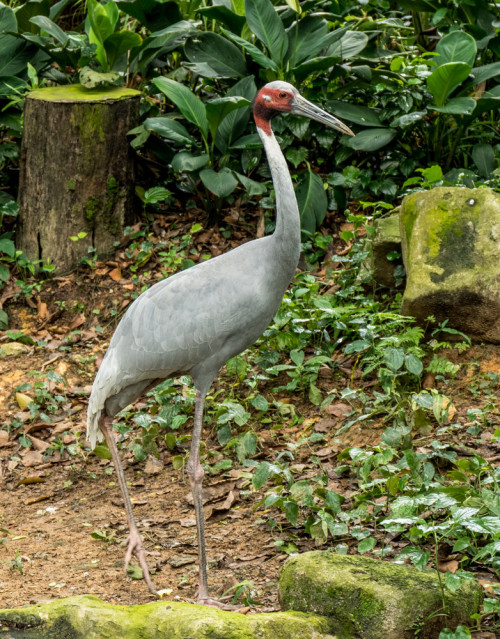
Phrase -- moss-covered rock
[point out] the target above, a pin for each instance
(87, 617)
(371, 599)
(387, 240)
(451, 251)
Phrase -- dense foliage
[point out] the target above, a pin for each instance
(418, 82)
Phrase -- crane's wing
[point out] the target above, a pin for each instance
(190, 323)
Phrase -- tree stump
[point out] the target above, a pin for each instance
(77, 172)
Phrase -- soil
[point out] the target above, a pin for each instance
(53, 501)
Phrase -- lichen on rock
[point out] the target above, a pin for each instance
(451, 252)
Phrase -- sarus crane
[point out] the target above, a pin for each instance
(194, 321)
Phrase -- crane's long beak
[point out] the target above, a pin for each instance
(301, 106)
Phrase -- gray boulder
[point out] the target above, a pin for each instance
(372, 599)
(451, 252)
(386, 240)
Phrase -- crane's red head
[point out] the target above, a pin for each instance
(281, 97)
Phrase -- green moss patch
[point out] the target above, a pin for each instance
(371, 599)
(78, 93)
(87, 617)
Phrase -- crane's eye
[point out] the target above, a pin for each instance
(283, 94)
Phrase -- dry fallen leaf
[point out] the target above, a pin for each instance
(41, 308)
(23, 400)
(38, 444)
(116, 274)
(32, 458)
(448, 566)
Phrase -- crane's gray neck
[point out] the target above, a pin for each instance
(287, 231)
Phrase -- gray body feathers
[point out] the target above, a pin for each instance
(194, 321)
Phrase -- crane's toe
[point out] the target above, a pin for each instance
(134, 546)
(208, 601)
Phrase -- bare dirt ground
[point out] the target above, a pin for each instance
(52, 501)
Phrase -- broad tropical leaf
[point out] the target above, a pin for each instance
(371, 139)
(312, 201)
(456, 46)
(266, 24)
(222, 56)
(170, 129)
(220, 183)
(191, 107)
(443, 80)
(219, 108)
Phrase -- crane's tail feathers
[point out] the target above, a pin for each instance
(94, 433)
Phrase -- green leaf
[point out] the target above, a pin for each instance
(367, 544)
(251, 141)
(191, 107)
(4, 320)
(443, 80)
(224, 434)
(461, 632)
(102, 451)
(8, 20)
(413, 364)
(101, 20)
(262, 473)
(4, 273)
(297, 357)
(315, 64)
(485, 72)
(483, 156)
(222, 56)
(312, 201)
(246, 446)
(458, 106)
(219, 108)
(220, 183)
(315, 395)
(51, 28)
(235, 122)
(185, 161)
(306, 39)
(7, 246)
(394, 358)
(91, 79)
(291, 511)
(354, 113)
(452, 581)
(407, 119)
(27, 11)
(260, 403)
(371, 139)
(169, 129)
(156, 194)
(266, 24)
(224, 16)
(119, 43)
(456, 46)
(349, 45)
(296, 155)
(254, 52)
(251, 186)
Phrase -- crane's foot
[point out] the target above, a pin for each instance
(208, 601)
(134, 546)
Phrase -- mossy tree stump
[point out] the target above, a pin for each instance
(77, 172)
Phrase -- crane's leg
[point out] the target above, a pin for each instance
(195, 471)
(134, 540)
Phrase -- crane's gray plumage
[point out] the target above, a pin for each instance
(194, 321)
